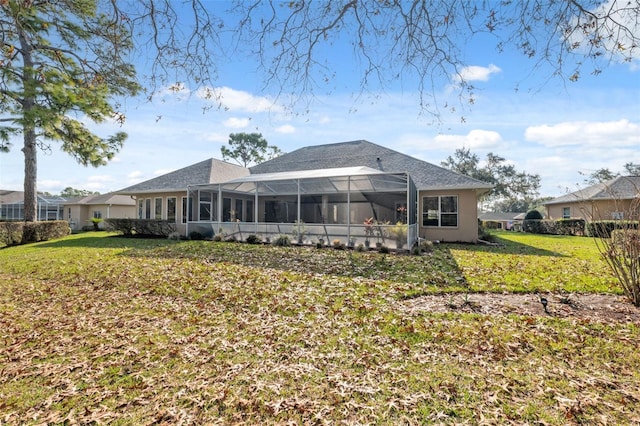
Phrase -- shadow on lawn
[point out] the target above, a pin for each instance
(108, 242)
(506, 246)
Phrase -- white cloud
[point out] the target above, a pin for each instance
(287, 129)
(475, 139)
(135, 174)
(50, 185)
(100, 178)
(238, 100)
(477, 73)
(621, 133)
(236, 123)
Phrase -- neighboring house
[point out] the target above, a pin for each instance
(12, 206)
(507, 221)
(80, 212)
(77, 211)
(319, 192)
(602, 201)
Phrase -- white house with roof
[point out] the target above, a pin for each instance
(353, 191)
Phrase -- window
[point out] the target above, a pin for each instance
(185, 210)
(441, 211)
(566, 212)
(206, 206)
(157, 213)
(97, 214)
(238, 215)
(226, 209)
(147, 206)
(249, 215)
(140, 209)
(171, 209)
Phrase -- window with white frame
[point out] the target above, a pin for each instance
(566, 212)
(97, 214)
(440, 211)
(171, 209)
(157, 212)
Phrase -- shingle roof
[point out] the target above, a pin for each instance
(364, 153)
(109, 198)
(500, 216)
(620, 188)
(208, 171)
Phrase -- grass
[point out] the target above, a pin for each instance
(125, 331)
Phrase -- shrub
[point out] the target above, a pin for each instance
(337, 244)
(10, 233)
(282, 241)
(533, 215)
(604, 228)
(253, 239)
(532, 222)
(383, 249)
(14, 233)
(196, 236)
(217, 238)
(141, 227)
(96, 223)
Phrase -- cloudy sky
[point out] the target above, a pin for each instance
(559, 129)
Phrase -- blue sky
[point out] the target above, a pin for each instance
(558, 129)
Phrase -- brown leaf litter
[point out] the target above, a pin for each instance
(587, 307)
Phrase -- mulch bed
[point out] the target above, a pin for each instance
(588, 307)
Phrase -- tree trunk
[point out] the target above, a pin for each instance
(29, 131)
(30, 176)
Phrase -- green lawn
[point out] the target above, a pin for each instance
(124, 331)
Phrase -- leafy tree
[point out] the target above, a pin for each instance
(249, 148)
(604, 174)
(70, 192)
(61, 62)
(510, 185)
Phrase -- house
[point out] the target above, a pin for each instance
(165, 197)
(609, 200)
(12, 206)
(503, 220)
(80, 212)
(351, 191)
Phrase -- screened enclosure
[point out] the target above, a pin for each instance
(350, 206)
(47, 208)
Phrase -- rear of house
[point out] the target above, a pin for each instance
(332, 191)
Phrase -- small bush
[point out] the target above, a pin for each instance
(282, 241)
(196, 236)
(253, 239)
(217, 238)
(383, 249)
(337, 244)
(360, 247)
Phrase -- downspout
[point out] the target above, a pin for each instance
(298, 211)
(348, 210)
(255, 208)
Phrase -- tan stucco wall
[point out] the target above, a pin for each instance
(467, 229)
(81, 215)
(597, 210)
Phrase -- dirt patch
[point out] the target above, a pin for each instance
(589, 307)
